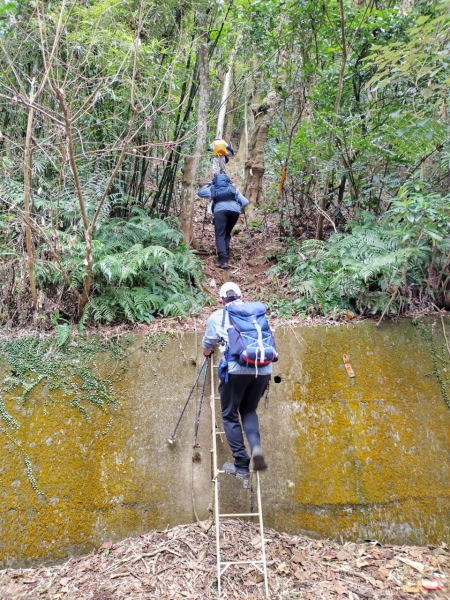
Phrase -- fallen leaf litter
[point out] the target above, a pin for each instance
(180, 563)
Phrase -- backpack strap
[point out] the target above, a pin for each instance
(223, 343)
(224, 313)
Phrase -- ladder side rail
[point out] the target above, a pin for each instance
(261, 527)
(217, 515)
(215, 475)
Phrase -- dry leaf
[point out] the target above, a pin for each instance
(64, 581)
(392, 564)
(297, 558)
(440, 552)
(338, 589)
(343, 555)
(283, 569)
(382, 572)
(434, 562)
(362, 563)
(411, 589)
(106, 546)
(415, 565)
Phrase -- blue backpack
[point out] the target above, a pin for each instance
(222, 189)
(250, 339)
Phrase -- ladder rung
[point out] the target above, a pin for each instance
(250, 472)
(241, 562)
(240, 515)
(223, 566)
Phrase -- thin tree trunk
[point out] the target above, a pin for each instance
(26, 197)
(192, 163)
(242, 153)
(254, 165)
(230, 118)
(83, 298)
(29, 153)
(337, 104)
(226, 90)
(284, 169)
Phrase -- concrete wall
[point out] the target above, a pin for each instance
(360, 458)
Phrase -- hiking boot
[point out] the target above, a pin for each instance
(239, 472)
(222, 265)
(259, 461)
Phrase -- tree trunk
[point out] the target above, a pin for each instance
(242, 153)
(337, 104)
(191, 163)
(254, 165)
(26, 198)
(226, 91)
(230, 118)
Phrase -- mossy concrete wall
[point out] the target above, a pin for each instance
(360, 458)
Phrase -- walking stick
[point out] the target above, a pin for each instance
(195, 445)
(172, 437)
(204, 221)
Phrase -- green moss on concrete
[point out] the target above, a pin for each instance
(380, 440)
(93, 483)
(362, 458)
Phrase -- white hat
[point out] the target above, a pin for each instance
(230, 291)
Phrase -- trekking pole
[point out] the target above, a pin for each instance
(248, 232)
(195, 445)
(172, 437)
(204, 221)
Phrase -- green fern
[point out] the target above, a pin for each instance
(354, 270)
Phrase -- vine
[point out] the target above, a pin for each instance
(71, 368)
(29, 468)
(438, 355)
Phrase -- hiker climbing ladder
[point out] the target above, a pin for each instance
(223, 565)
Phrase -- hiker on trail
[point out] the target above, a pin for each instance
(240, 389)
(226, 206)
(222, 151)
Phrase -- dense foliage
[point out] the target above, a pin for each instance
(98, 112)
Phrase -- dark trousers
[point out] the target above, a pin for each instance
(241, 396)
(224, 221)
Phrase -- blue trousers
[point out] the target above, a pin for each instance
(240, 397)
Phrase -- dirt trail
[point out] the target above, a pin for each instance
(248, 266)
